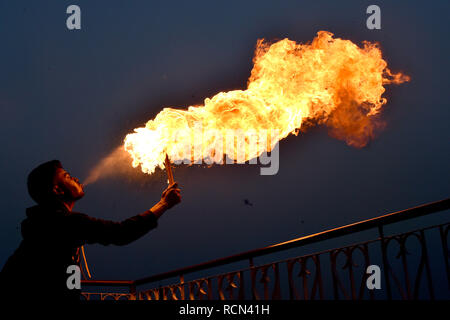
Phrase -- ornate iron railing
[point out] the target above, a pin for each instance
(338, 273)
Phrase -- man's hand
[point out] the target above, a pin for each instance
(171, 196)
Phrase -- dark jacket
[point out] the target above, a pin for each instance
(52, 236)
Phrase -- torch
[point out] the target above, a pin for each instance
(169, 170)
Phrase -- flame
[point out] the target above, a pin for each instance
(330, 81)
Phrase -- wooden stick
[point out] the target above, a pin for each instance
(169, 170)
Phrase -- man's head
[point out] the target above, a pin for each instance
(49, 182)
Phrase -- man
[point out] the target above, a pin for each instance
(52, 234)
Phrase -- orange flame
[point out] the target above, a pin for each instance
(330, 81)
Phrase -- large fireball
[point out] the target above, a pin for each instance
(329, 81)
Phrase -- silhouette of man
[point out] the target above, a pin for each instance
(53, 233)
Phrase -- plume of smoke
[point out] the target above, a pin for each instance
(118, 162)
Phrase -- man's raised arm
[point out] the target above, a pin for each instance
(86, 229)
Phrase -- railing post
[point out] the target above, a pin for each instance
(319, 276)
(241, 286)
(252, 277)
(334, 275)
(182, 292)
(443, 234)
(427, 265)
(385, 262)
(133, 290)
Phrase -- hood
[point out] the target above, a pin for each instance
(41, 220)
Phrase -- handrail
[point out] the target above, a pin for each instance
(108, 283)
(324, 235)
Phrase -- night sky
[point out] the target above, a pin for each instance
(74, 95)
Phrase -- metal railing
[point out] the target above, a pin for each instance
(317, 275)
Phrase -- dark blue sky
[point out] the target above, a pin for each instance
(73, 95)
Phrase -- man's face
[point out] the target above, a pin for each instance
(67, 186)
